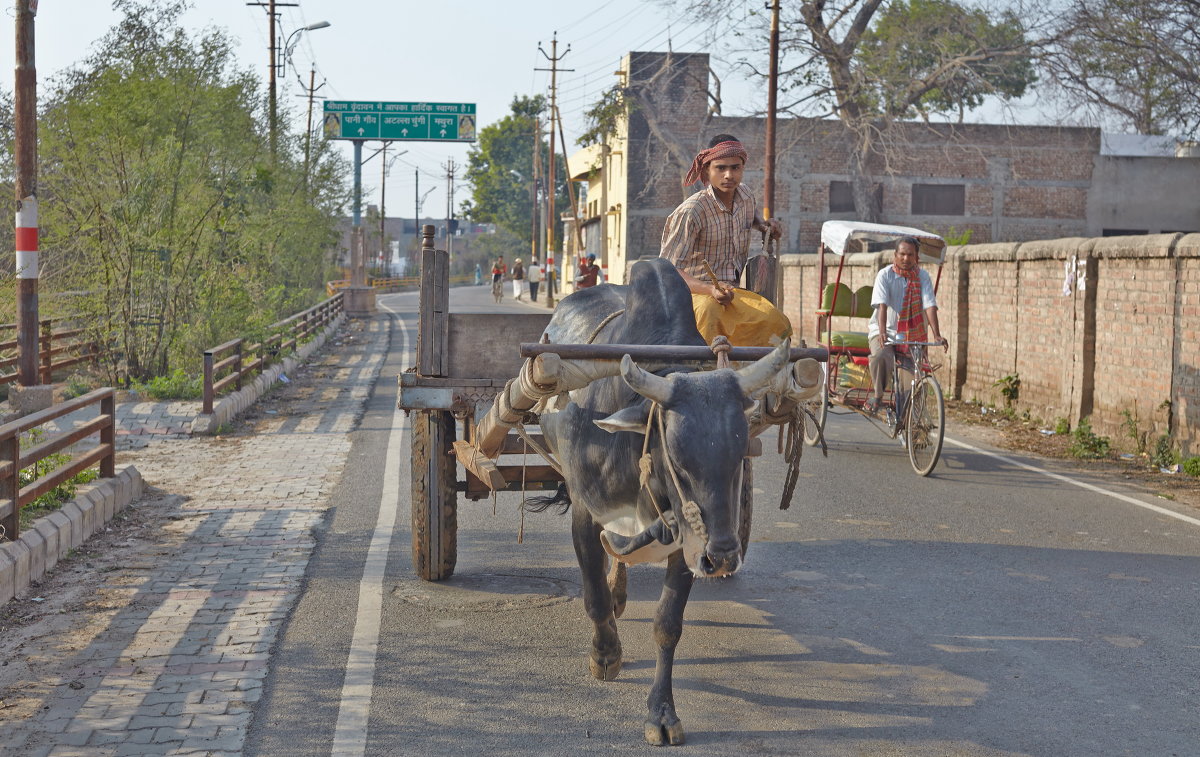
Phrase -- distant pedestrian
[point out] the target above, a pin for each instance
(478, 275)
(589, 273)
(518, 279)
(535, 278)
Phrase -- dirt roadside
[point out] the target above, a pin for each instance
(971, 421)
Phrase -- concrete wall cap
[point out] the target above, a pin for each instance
(1144, 246)
(1054, 249)
(1188, 246)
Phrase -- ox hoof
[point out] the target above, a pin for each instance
(661, 733)
(605, 668)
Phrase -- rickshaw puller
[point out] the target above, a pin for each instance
(905, 300)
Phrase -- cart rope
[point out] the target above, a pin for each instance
(691, 511)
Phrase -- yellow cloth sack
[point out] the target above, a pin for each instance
(749, 321)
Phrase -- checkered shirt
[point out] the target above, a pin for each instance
(702, 228)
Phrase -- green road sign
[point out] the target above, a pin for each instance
(436, 122)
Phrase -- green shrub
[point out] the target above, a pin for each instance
(1062, 427)
(177, 385)
(77, 386)
(1191, 466)
(1010, 388)
(1087, 445)
(1164, 455)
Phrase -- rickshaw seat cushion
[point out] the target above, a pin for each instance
(850, 341)
(853, 304)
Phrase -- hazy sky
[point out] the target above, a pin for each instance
(479, 51)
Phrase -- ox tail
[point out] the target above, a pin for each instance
(541, 504)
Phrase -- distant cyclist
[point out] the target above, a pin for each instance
(498, 271)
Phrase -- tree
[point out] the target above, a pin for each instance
(500, 170)
(1132, 62)
(903, 50)
(161, 201)
(918, 57)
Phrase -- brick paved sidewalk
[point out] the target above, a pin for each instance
(175, 644)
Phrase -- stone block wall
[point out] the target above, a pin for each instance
(1125, 339)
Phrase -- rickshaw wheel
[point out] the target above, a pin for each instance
(747, 505)
(434, 498)
(925, 425)
(818, 406)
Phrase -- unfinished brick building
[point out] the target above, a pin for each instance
(1000, 183)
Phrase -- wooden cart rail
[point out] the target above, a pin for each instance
(56, 349)
(231, 363)
(13, 496)
(662, 353)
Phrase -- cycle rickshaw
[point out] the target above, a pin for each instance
(916, 414)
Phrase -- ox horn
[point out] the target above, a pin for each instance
(649, 385)
(760, 373)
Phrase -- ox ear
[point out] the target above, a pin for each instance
(633, 418)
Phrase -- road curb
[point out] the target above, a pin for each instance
(236, 403)
(39, 549)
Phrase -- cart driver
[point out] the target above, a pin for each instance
(713, 227)
(904, 299)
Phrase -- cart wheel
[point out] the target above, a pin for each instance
(747, 505)
(819, 407)
(434, 499)
(925, 425)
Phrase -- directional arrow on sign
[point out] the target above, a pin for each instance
(404, 132)
(443, 132)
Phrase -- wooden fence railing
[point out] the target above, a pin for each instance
(56, 349)
(229, 364)
(13, 496)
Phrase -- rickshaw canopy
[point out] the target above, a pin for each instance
(837, 235)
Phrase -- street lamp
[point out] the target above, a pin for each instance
(289, 46)
(287, 54)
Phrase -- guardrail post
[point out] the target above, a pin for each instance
(237, 363)
(208, 382)
(10, 485)
(108, 436)
(47, 345)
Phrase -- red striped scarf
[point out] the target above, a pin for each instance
(910, 323)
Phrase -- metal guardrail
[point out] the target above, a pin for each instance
(226, 365)
(13, 496)
(56, 349)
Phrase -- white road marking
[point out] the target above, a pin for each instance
(1080, 484)
(350, 734)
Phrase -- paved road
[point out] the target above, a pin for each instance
(987, 610)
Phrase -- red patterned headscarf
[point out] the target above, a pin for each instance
(704, 157)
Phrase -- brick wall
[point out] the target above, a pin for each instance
(1125, 339)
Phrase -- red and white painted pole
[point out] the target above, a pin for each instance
(25, 154)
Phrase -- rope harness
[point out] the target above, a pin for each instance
(691, 510)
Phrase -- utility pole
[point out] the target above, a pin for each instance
(310, 92)
(25, 153)
(554, 58)
(772, 91)
(417, 204)
(272, 46)
(534, 203)
(450, 167)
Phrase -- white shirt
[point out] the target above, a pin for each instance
(535, 272)
(889, 290)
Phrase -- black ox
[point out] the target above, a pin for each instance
(703, 434)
